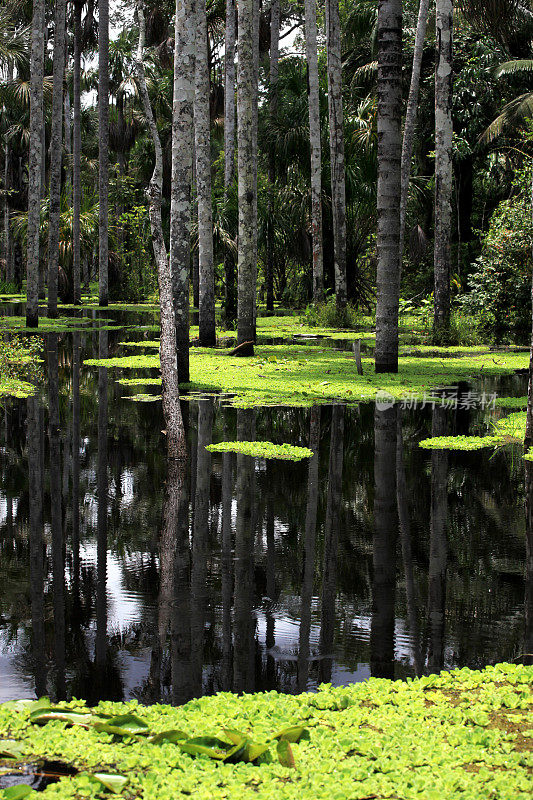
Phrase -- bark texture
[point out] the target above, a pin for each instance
(336, 146)
(182, 157)
(202, 132)
(56, 152)
(103, 151)
(230, 299)
(76, 156)
(410, 114)
(311, 51)
(35, 160)
(176, 444)
(247, 175)
(389, 183)
(438, 545)
(443, 165)
(273, 77)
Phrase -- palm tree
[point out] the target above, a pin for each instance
(207, 334)
(56, 151)
(35, 161)
(103, 150)
(389, 180)
(336, 144)
(443, 166)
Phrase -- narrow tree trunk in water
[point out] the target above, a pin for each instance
(528, 441)
(103, 151)
(443, 167)
(182, 152)
(230, 299)
(176, 444)
(101, 521)
(37, 551)
(56, 152)
(36, 156)
(202, 130)
(274, 69)
(389, 183)
(246, 91)
(410, 114)
(336, 146)
(311, 50)
(438, 545)
(76, 156)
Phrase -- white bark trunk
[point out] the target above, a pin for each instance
(311, 50)
(230, 300)
(103, 151)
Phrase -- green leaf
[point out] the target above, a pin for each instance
(237, 753)
(17, 792)
(42, 715)
(253, 751)
(172, 736)
(123, 725)
(9, 748)
(293, 734)
(115, 783)
(237, 737)
(285, 756)
(205, 746)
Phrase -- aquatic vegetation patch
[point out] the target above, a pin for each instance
(139, 381)
(143, 398)
(287, 452)
(461, 442)
(512, 426)
(460, 734)
(511, 402)
(20, 366)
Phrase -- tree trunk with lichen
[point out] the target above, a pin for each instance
(273, 80)
(103, 151)
(311, 50)
(230, 299)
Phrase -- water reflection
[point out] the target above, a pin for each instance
(124, 575)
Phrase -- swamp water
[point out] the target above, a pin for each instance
(375, 557)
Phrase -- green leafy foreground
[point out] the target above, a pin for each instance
(463, 734)
(286, 452)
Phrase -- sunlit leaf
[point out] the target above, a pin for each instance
(285, 755)
(115, 783)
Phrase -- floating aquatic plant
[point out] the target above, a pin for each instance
(286, 452)
(511, 402)
(460, 442)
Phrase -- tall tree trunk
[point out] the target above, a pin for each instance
(311, 50)
(176, 444)
(410, 115)
(76, 466)
(389, 183)
(528, 441)
(246, 168)
(67, 115)
(36, 156)
(443, 167)
(438, 545)
(226, 563)
(202, 131)
(101, 522)
(37, 547)
(336, 146)
(103, 151)
(56, 152)
(274, 69)
(182, 156)
(230, 299)
(76, 156)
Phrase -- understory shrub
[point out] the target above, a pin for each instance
(328, 315)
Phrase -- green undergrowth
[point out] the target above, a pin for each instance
(511, 402)
(286, 452)
(462, 734)
(512, 426)
(20, 366)
(59, 325)
(461, 442)
(300, 375)
(143, 398)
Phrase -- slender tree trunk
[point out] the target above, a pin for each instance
(36, 156)
(176, 443)
(336, 146)
(410, 114)
(226, 564)
(443, 166)
(67, 114)
(101, 522)
(37, 551)
(182, 156)
(389, 183)
(56, 153)
(528, 594)
(274, 69)
(246, 167)
(438, 545)
(311, 50)
(76, 465)
(202, 130)
(230, 299)
(76, 156)
(7, 243)
(103, 151)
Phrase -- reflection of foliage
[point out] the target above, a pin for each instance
(19, 365)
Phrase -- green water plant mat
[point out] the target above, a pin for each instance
(461, 442)
(461, 734)
(287, 452)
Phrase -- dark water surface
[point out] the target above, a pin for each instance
(374, 558)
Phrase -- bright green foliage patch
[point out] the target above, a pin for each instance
(143, 398)
(286, 452)
(20, 369)
(139, 381)
(462, 734)
(511, 402)
(461, 442)
(512, 426)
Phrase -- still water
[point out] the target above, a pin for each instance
(121, 578)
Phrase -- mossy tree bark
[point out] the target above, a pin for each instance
(443, 167)
(56, 152)
(230, 297)
(76, 155)
(35, 159)
(182, 158)
(311, 51)
(336, 146)
(389, 183)
(103, 151)
(273, 88)
(202, 130)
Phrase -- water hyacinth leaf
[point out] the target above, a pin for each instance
(41, 716)
(285, 755)
(254, 751)
(293, 734)
(10, 749)
(237, 753)
(123, 725)
(115, 783)
(205, 746)
(172, 736)
(237, 737)
(17, 792)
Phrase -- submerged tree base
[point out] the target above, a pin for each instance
(460, 734)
